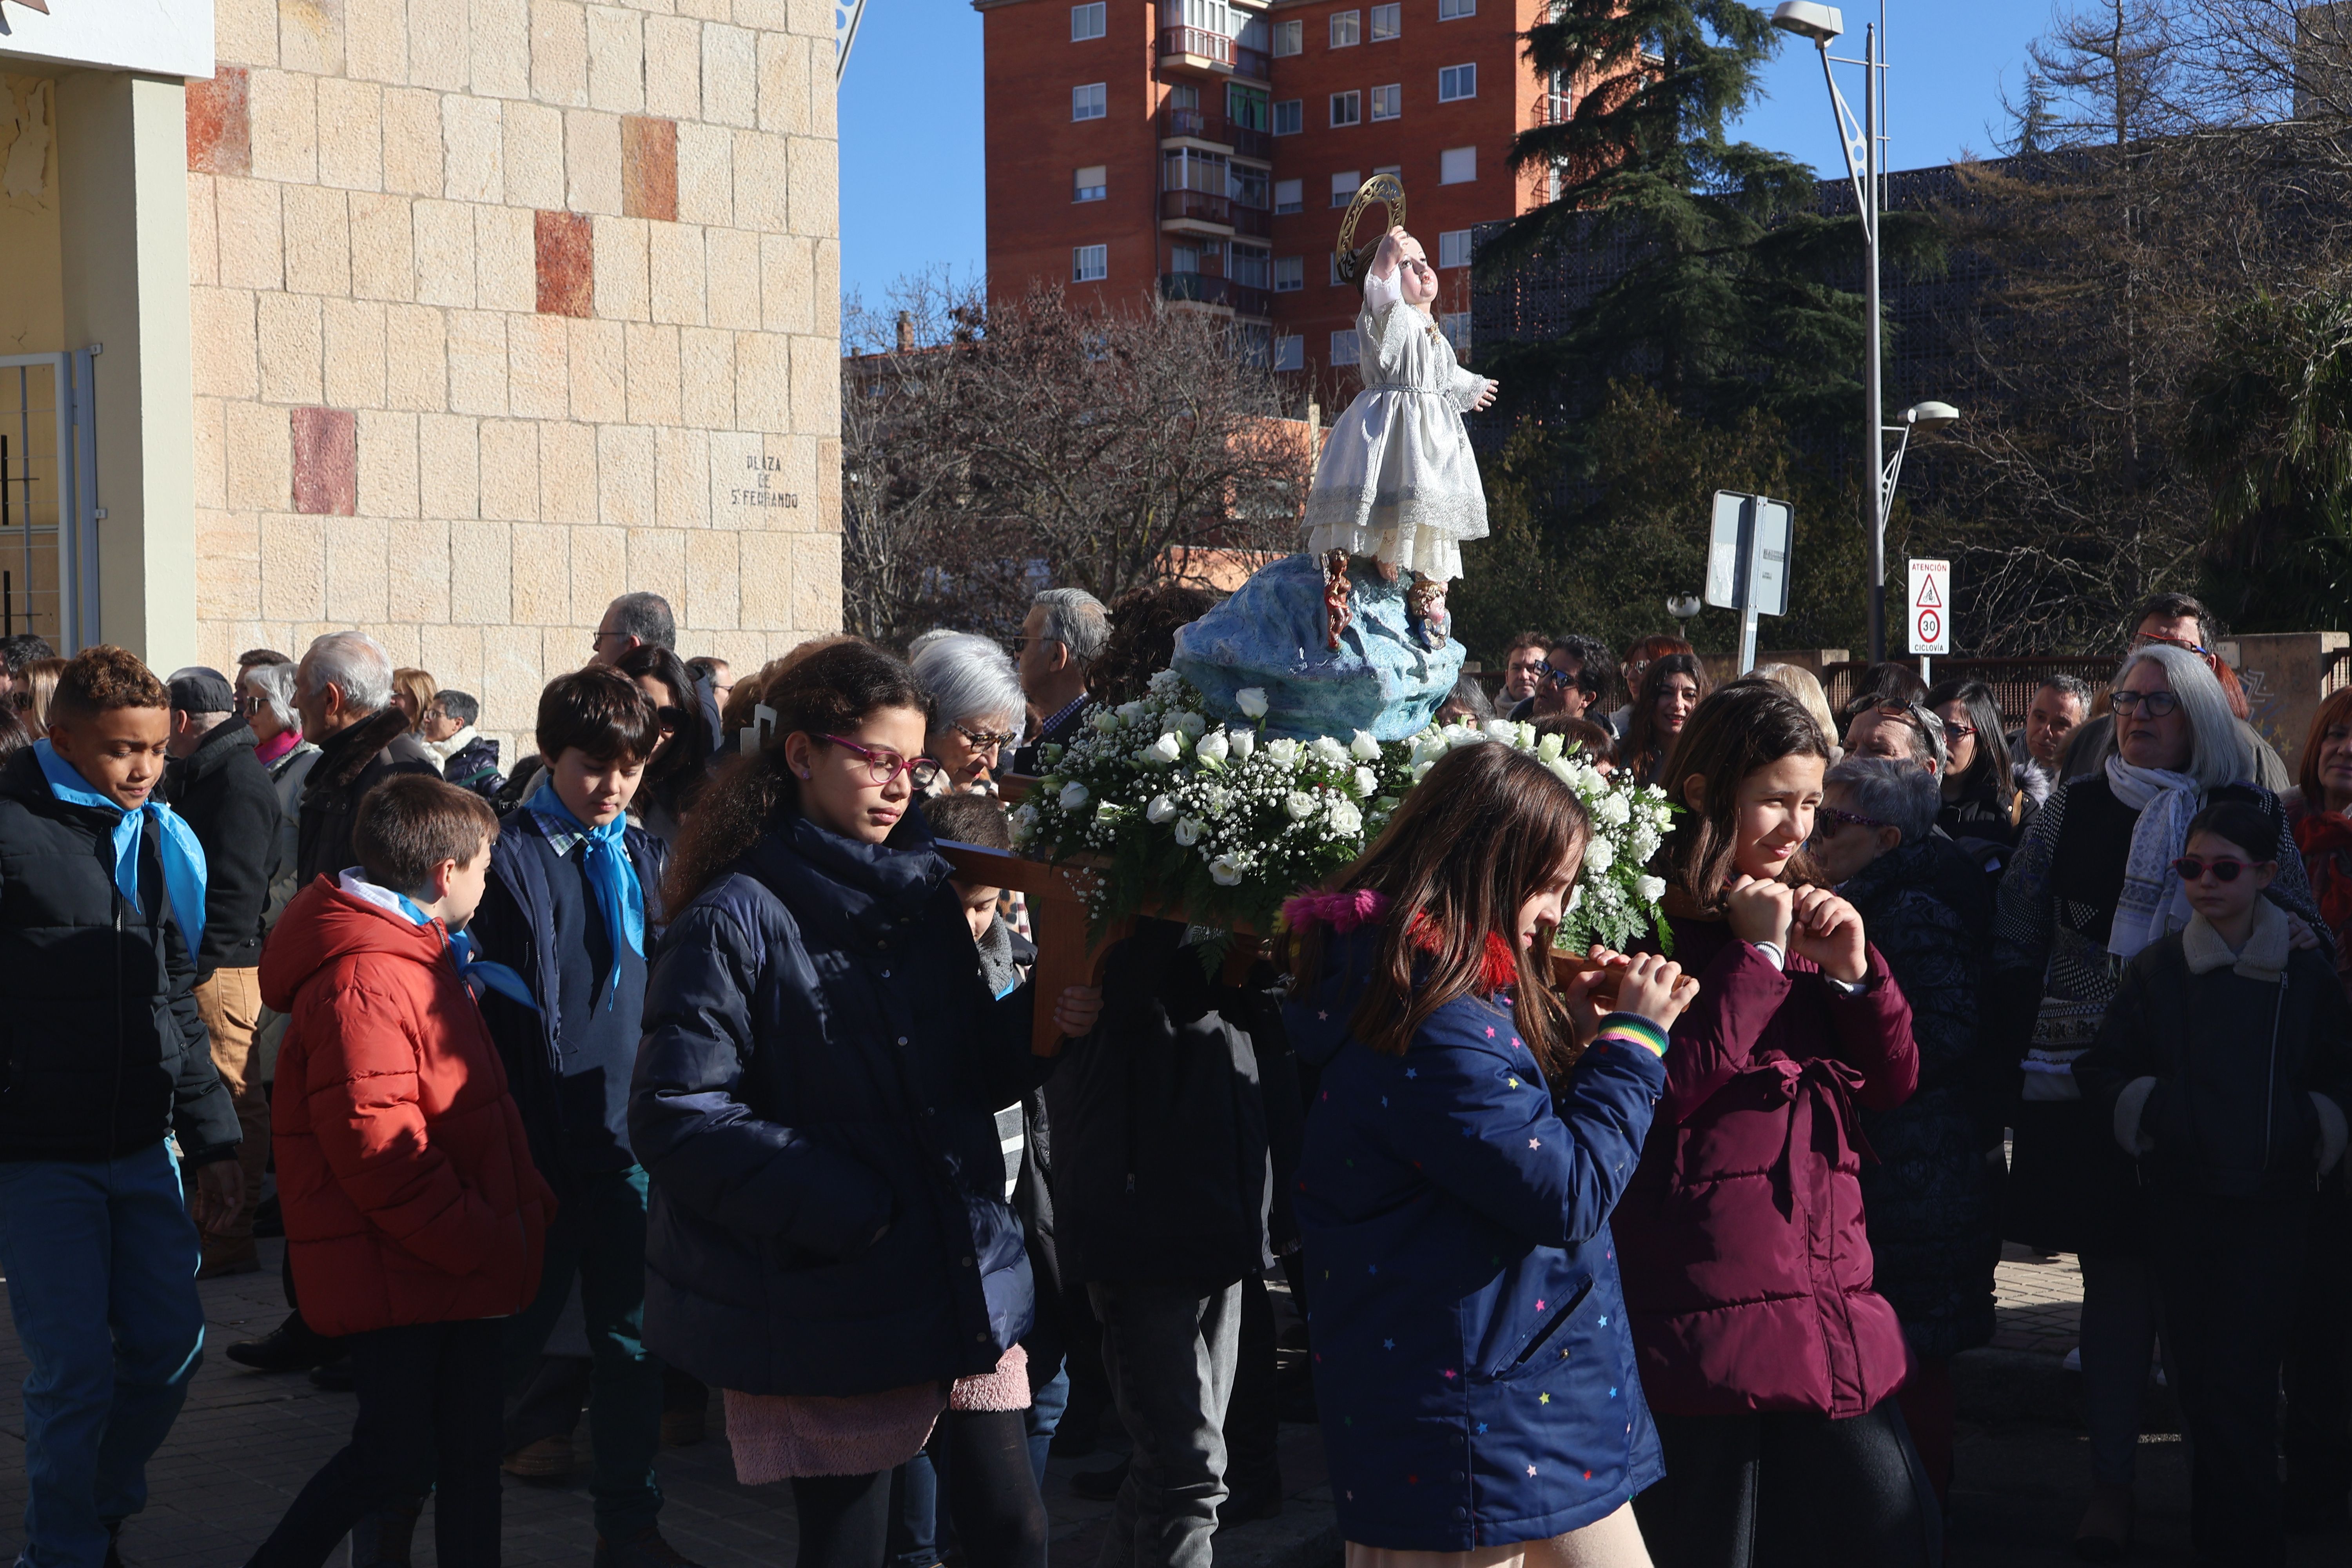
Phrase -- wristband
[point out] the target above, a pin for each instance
(1632, 1029)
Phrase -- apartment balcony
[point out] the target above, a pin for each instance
(1254, 222)
(1196, 211)
(1553, 109)
(1196, 48)
(1201, 125)
(1221, 293)
(1252, 64)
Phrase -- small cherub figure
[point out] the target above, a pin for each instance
(1397, 480)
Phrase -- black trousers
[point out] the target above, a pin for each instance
(845, 1521)
(1791, 1489)
(428, 1421)
(2226, 1275)
(2318, 1371)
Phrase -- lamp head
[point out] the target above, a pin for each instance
(1809, 20)
(1929, 415)
(1683, 606)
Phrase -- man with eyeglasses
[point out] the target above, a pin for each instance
(1063, 636)
(2184, 623)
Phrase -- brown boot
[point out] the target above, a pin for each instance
(2106, 1527)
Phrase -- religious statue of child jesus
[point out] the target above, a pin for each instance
(1397, 479)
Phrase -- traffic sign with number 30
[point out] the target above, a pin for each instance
(1931, 611)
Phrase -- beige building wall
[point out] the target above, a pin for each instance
(504, 307)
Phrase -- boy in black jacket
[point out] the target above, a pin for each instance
(572, 900)
(101, 905)
(2225, 1063)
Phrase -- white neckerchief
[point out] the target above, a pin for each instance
(2153, 904)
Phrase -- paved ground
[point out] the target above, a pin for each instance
(247, 1443)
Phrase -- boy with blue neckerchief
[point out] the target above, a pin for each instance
(102, 907)
(573, 897)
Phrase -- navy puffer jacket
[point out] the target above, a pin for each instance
(1473, 1363)
(815, 1102)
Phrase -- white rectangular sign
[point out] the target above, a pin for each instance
(1931, 607)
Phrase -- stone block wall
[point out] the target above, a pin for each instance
(504, 307)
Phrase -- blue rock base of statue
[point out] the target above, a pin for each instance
(1387, 676)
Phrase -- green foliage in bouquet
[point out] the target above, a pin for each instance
(1223, 823)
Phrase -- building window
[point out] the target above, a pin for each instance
(1454, 247)
(1246, 184)
(1457, 165)
(1456, 81)
(1388, 21)
(1289, 196)
(1289, 117)
(1088, 103)
(1246, 106)
(1190, 169)
(1388, 102)
(1289, 274)
(1089, 263)
(1345, 29)
(1248, 266)
(1087, 22)
(1252, 34)
(1183, 258)
(1455, 325)
(1455, 10)
(1396, 169)
(1347, 109)
(1343, 347)
(1290, 38)
(1252, 342)
(1089, 184)
(1206, 15)
(1343, 187)
(1290, 353)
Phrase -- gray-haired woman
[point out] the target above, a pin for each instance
(976, 694)
(265, 694)
(2091, 886)
(1930, 1199)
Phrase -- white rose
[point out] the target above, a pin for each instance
(1502, 730)
(1284, 751)
(1363, 748)
(1189, 831)
(1163, 751)
(1211, 748)
(1611, 809)
(1367, 781)
(1560, 771)
(1251, 700)
(1547, 748)
(1649, 890)
(1128, 712)
(1299, 804)
(1224, 873)
(1421, 771)
(1023, 822)
(1161, 809)
(1344, 817)
(1643, 844)
(1244, 742)
(1599, 854)
(1074, 795)
(1328, 751)
(1575, 897)
(1190, 725)
(1106, 720)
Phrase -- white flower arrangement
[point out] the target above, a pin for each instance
(1224, 825)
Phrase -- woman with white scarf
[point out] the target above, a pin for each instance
(2089, 888)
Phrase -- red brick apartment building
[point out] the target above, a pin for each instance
(1207, 150)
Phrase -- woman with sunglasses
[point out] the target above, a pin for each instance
(977, 709)
(2091, 886)
(1929, 1198)
(815, 1101)
(2224, 1067)
(679, 766)
(1982, 797)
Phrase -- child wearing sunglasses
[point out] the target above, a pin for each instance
(2224, 1065)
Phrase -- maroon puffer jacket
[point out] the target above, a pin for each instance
(1748, 1272)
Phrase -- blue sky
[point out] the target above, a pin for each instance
(912, 173)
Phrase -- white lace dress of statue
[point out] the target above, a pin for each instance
(1397, 479)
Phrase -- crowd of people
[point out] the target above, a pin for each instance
(678, 1057)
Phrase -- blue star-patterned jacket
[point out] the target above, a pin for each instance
(1472, 1359)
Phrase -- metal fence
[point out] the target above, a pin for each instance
(2013, 681)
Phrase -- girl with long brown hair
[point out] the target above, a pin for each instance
(815, 1101)
(1471, 1133)
(1672, 688)
(1770, 1362)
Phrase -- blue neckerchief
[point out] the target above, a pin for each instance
(184, 857)
(478, 973)
(605, 859)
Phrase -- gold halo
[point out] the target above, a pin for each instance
(1389, 192)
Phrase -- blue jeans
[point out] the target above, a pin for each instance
(1046, 1403)
(600, 1234)
(102, 1263)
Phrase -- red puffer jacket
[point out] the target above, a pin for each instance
(1748, 1269)
(407, 1182)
